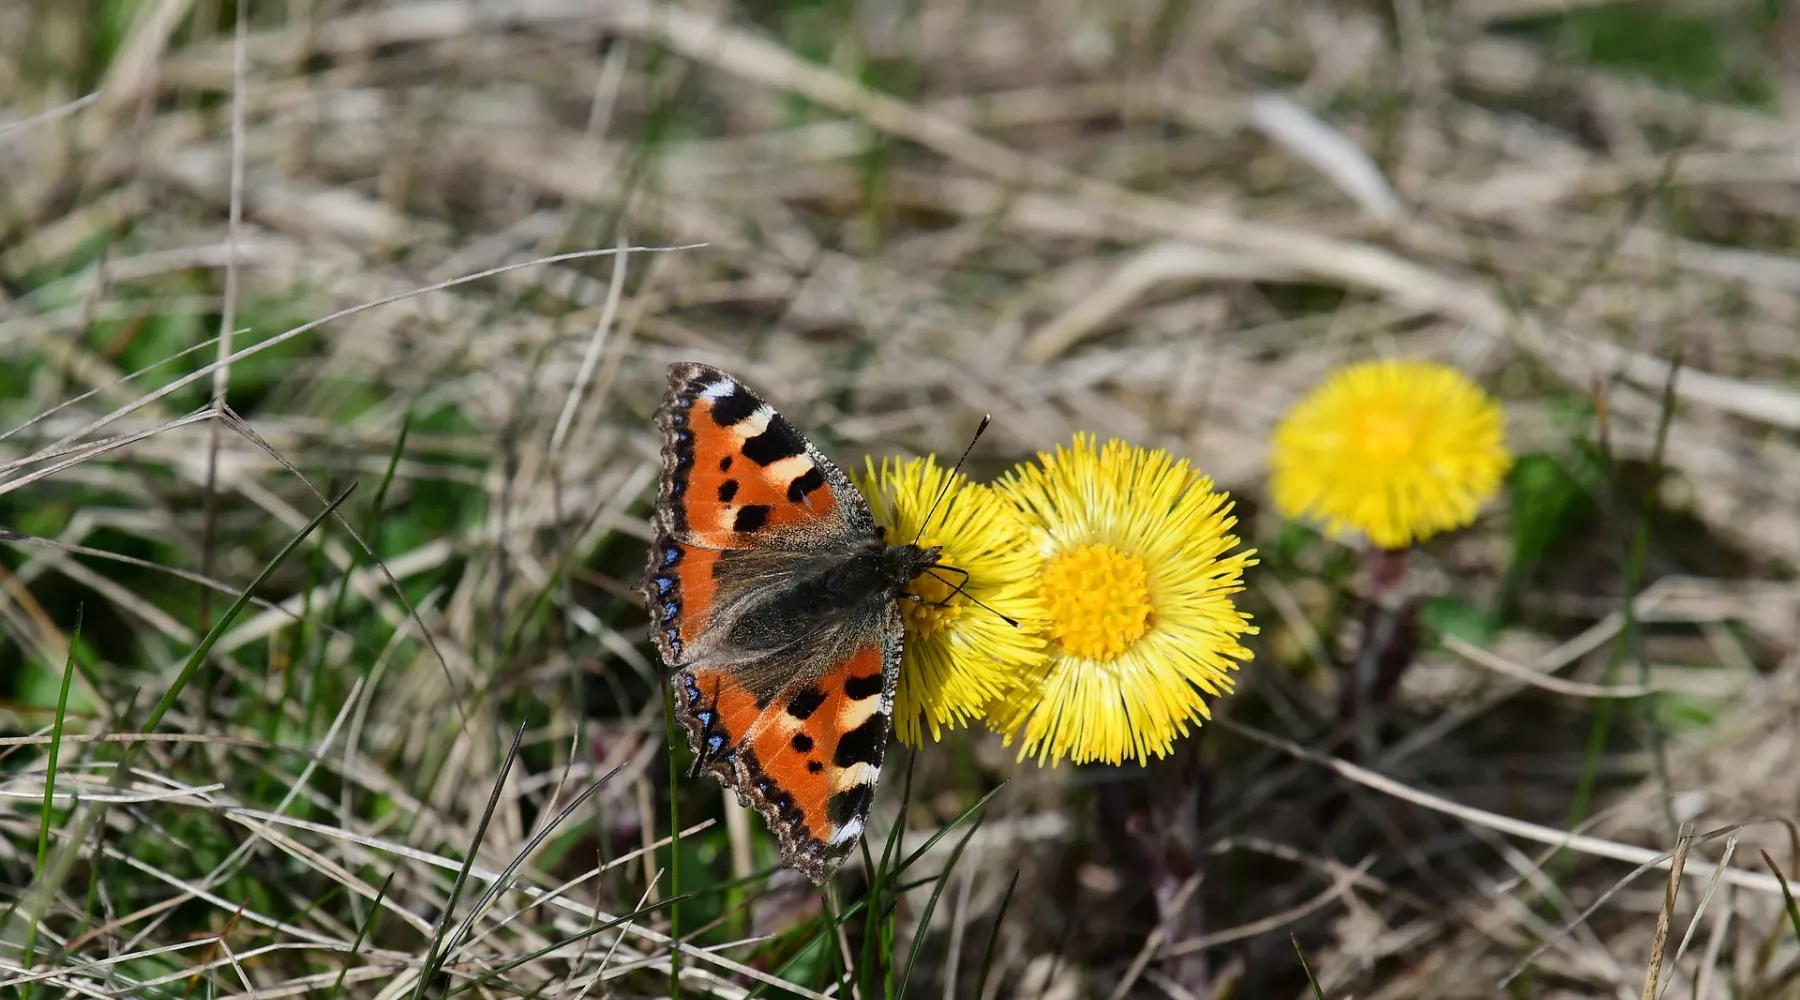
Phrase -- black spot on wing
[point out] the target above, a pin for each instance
(805, 483)
(814, 767)
(750, 517)
(776, 442)
(864, 744)
(725, 464)
(858, 688)
(849, 804)
(734, 406)
(802, 742)
(727, 490)
(804, 704)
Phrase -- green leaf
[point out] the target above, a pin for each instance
(1700, 52)
(1683, 713)
(1454, 616)
(1549, 503)
(1292, 538)
(39, 687)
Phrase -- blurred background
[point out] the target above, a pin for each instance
(1165, 221)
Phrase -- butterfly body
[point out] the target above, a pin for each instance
(774, 600)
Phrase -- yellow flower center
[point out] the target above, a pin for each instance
(935, 609)
(1098, 600)
(1386, 435)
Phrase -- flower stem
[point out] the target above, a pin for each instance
(1390, 640)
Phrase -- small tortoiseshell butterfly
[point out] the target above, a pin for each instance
(774, 598)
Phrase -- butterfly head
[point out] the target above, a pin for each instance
(902, 564)
(896, 566)
(882, 570)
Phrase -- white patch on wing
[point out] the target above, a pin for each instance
(847, 833)
(755, 423)
(786, 471)
(718, 390)
(785, 723)
(855, 713)
(858, 773)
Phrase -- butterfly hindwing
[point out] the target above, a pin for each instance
(808, 759)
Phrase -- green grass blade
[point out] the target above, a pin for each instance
(56, 734)
(362, 933)
(877, 925)
(1317, 990)
(1787, 895)
(434, 955)
(167, 701)
(529, 957)
(893, 840)
(993, 941)
(943, 880)
(842, 977)
(297, 651)
(370, 527)
(500, 883)
(676, 733)
(973, 808)
(49, 807)
(826, 933)
(38, 897)
(379, 501)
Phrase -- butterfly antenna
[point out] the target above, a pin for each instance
(944, 491)
(972, 599)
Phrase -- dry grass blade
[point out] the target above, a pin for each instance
(1645, 858)
(286, 335)
(1507, 668)
(1327, 150)
(45, 117)
(1706, 897)
(1666, 915)
(1152, 944)
(1341, 883)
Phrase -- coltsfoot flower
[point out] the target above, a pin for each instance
(1136, 587)
(959, 656)
(1397, 450)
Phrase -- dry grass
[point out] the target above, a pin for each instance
(1158, 221)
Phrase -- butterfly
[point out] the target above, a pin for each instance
(774, 600)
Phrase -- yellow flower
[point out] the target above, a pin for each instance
(1398, 450)
(1136, 586)
(958, 656)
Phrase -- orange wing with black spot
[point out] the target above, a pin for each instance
(807, 759)
(736, 476)
(738, 472)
